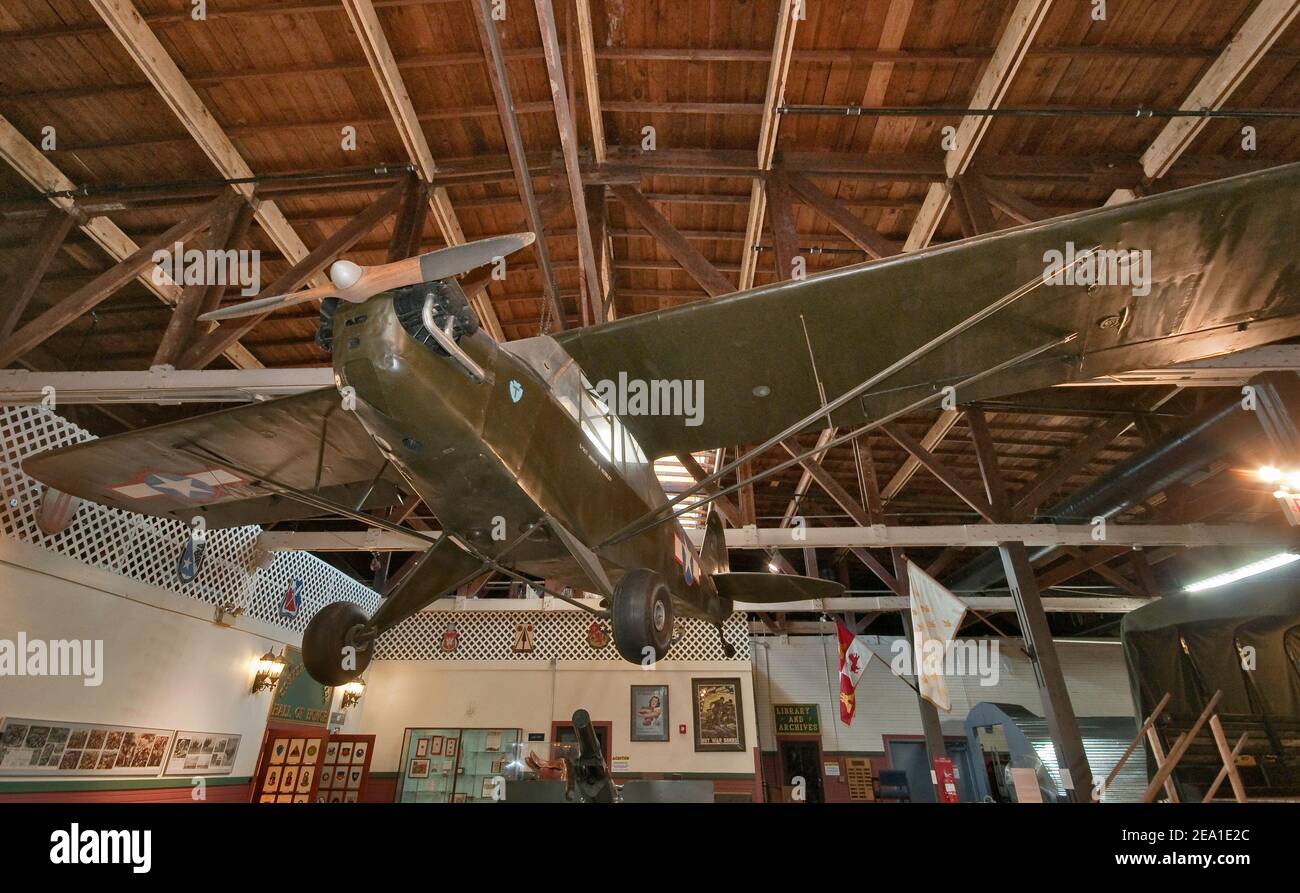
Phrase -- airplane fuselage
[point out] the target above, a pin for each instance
(490, 459)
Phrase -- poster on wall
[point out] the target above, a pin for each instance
(649, 713)
(718, 724)
(202, 753)
(46, 747)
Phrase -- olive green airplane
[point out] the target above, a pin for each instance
(536, 456)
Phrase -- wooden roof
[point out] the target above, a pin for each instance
(282, 79)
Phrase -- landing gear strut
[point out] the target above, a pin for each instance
(643, 616)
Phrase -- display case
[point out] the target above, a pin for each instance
(453, 765)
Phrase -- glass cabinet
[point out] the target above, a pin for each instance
(452, 765)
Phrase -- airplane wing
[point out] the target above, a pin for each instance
(164, 471)
(1221, 275)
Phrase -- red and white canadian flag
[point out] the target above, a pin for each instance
(853, 663)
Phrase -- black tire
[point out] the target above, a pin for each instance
(642, 616)
(324, 640)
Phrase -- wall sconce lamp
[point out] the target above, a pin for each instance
(352, 693)
(268, 669)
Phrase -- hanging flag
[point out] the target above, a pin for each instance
(853, 663)
(936, 617)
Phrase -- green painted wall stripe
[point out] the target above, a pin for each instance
(115, 784)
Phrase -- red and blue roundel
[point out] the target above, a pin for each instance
(292, 599)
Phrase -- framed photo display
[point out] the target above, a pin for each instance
(202, 753)
(49, 747)
(650, 713)
(719, 719)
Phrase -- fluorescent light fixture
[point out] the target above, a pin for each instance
(1246, 570)
(1270, 475)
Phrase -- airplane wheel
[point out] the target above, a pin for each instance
(326, 638)
(642, 616)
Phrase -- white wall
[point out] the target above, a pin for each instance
(166, 664)
(803, 669)
(530, 695)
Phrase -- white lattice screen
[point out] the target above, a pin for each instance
(558, 635)
(147, 549)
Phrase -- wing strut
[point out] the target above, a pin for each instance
(852, 393)
(651, 519)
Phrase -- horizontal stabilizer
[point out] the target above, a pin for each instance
(764, 588)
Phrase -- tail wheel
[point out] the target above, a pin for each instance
(642, 616)
(328, 651)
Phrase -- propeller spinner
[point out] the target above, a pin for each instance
(355, 283)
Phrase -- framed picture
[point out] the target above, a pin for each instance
(435, 746)
(650, 713)
(422, 747)
(202, 753)
(419, 768)
(50, 747)
(719, 723)
(449, 748)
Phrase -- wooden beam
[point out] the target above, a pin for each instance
(99, 289)
(1021, 210)
(724, 505)
(37, 170)
(388, 77)
(973, 208)
(180, 327)
(1071, 464)
(140, 43)
(1269, 21)
(408, 228)
(805, 478)
(590, 85)
(499, 78)
(210, 346)
(987, 458)
(938, 431)
(784, 238)
(569, 149)
(1007, 56)
(941, 471)
(33, 264)
(787, 22)
(691, 260)
(841, 218)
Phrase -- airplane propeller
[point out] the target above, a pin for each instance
(355, 283)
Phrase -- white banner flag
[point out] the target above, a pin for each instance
(936, 617)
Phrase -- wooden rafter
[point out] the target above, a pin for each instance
(374, 43)
(942, 471)
(1269, 20)
(180, 327)
(911, 465)
(37, 170)
(500, 81)
(993, 84)
(691, 260)
(866, 238)
(70, 307)
(587, 263)
(31, 269)
(206, 349)
(140, 43)
(782, 51)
